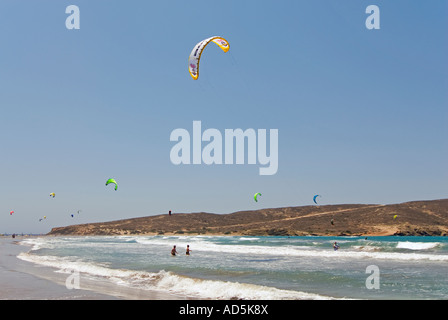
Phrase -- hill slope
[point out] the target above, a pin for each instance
(413, 218)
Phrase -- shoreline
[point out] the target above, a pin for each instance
(23, 280)
(27, 276)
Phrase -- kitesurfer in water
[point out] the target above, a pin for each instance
(335, 246)
(173, 251)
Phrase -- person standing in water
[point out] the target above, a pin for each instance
(188, 250)
(335, 246)
(173, 251)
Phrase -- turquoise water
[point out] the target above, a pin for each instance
(235, 267)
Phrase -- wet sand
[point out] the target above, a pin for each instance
(22, 280)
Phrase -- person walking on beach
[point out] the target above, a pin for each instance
(173, 251)
(188, 250)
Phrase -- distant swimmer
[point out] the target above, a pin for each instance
(188, 250)
(335, 246)
(173, 251)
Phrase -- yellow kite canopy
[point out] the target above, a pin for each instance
(195, 55)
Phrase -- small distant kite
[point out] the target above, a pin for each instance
(52, 194)
(11, 212)
(112, 181)
(195, 55)
(395, 216)
(314, 198)
(256, 196)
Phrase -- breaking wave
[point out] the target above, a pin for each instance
(169, 282)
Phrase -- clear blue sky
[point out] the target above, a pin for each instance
(362, 114)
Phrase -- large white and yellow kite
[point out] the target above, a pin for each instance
(195, 55)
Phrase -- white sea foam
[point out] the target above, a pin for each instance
(202, 244)
(36, 243)
(234, 267)
(170, 282)
(417, 245)
(301, 251)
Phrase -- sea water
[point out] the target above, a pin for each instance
(242, 267)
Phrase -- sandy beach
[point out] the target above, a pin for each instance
(22, 280)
